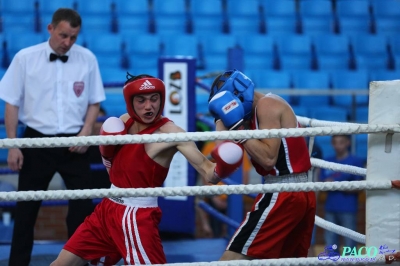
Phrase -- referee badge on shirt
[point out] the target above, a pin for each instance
(79, 86)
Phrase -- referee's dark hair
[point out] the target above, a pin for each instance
(66, 14)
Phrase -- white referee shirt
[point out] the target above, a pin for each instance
(52, 97)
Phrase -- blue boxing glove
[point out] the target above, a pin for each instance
(227, 107)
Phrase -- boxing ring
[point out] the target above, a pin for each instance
(383, 204)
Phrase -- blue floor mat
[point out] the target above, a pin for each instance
(176, 251)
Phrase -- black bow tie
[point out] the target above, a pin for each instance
(63, 58)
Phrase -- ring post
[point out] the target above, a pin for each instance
(178, 74)
(383, 206)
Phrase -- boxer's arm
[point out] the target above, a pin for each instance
(265, 151)
(227, 155)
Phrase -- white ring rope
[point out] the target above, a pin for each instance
(286, 262)
(319, 127)
(343, 231)
(350, 169)
(193, 190)
(311, 122)
(197, 136)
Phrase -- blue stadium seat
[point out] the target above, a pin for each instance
(182, 45)
(249, 8)
(170, 25)
(331, 44)
(370, 62)
(385, 9)
(387, 26)
(18, 24)
(132, 8)
(217, 44)
(18, 41)
(332, 51)
(207, 16)
(205, 8)
(115, 103)
(270, 79)
(259, 51)
(370, 51)
(295, 62)
(294, 52)
(397, 62)
(134, 25)
(109, 43)
(170, 7)
(329, 113)
(147, 44)
(257, 44)
(85, 7)
(207, 25)
(281, 25)
(354, 25)
(279, 8)
(361, 114)
(48, 7)
(244, 25)
(394, 43)
(324, 142)
(300, 110)
(141, 61)
(317, 25)
(112, 75)
(353, 8)
(316, 8)
(369, 44)
(152, 71)
(93, 23)
(381, 75)
(143, 50)
(18, 8)
(361, 146)
(108, 60)
(333, 62)
(311, 80)
(350, 80)
(294, 44)
(216, 62)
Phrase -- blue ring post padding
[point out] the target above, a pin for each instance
(218, 215)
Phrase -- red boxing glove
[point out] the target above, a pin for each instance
(228, 157)
(112, 126)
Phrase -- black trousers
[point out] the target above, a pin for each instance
(39, 166)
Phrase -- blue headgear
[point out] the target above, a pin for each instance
(239, 85)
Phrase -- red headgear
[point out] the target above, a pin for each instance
(145, 85)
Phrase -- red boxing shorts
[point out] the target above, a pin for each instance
(127, 229)
(279, 225)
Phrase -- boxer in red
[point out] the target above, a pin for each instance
(127, 227)
(280, 224)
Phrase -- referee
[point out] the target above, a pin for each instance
(55, 89)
